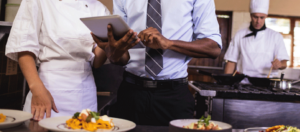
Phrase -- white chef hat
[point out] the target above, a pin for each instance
(259, 6)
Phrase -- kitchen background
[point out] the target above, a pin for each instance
(284, 17)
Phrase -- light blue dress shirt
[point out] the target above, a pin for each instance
(185, 20)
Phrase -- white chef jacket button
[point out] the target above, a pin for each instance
(86, 5)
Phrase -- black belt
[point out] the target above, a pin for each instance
(149, 83)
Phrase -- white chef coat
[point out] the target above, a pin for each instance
(62, 44)
(254, 55)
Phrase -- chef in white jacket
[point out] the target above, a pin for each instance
(254, 50)
(50, 34)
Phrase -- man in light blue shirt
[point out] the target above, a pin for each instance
(154, 88)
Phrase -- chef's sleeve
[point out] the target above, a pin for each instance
(118, 6)
(233, 52)
(280, 49)
(205, 21)
(24, 34)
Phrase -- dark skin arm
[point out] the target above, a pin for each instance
(202, 48)
(117, 50)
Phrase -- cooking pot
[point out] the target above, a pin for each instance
(273, 83)
(279, 85)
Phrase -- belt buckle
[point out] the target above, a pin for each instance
(150, 84)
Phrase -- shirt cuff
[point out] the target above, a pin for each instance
(216, 38)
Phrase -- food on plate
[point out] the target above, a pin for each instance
(203, 124)
(89, 120)
(282, 128)
(2, 117)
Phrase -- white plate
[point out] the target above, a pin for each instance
(184, 122)
(58, 124)
(14, 118)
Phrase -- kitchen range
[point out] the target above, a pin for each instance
(246, 105)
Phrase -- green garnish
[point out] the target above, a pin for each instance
(95, 115)
(76, 115)
(89, 118)
(204, 120)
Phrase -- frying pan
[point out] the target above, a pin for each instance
(260, 82)
(224, 79)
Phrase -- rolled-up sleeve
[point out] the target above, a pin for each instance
(205, 21)
(118, 9)
(24, 35)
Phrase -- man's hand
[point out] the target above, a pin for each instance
(276, 64)
(152, 38)
(115, 49)
(99, 42)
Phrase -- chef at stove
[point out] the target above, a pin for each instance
(254, 50)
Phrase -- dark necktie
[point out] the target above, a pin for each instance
(154, 57)
(254, 31)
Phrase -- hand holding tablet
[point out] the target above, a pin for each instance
(109, 28)
(98, 25)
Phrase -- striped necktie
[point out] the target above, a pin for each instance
(154, 57)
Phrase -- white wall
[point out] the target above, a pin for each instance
(240, 20)
(277, 7)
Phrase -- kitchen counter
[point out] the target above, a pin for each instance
(245, 106)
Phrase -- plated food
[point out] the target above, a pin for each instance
(203, 124)
(2, 118)
(11, 118)
(89, 120)
(58, 124)
(282, 128)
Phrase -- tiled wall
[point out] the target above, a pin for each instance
(10, 86)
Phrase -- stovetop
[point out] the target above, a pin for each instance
(248, 91)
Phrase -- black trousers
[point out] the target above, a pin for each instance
(157, 106)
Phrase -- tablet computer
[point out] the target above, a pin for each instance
(98, 25)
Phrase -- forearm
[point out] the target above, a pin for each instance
(122, 61)
(202, 48)
(283, 64)
(229, 67)
(100, 57)
(28, 68)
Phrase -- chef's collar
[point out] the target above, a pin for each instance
(254, 31)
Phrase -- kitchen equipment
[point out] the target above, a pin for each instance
(271, 68)
(260, 82)
(225, 79)
(234, 73)
(278, 85)
(205, 93)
